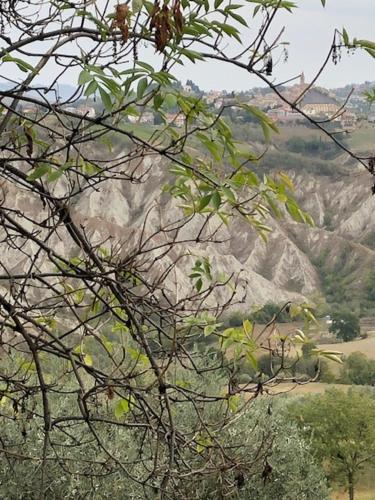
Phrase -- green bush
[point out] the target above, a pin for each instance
(345, 324)
(358, 369)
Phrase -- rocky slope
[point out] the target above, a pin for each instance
(296, 259)
(332, 258)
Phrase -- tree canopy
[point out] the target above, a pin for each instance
(343, 429)
(345, 324)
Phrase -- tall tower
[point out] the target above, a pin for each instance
(302, 79)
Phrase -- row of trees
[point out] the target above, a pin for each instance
(297, 447)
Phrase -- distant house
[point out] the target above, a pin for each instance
(328, 319)
(284, 115)
(177, 120)
(212, 96)
(218, 103)
(348, 119)
(147, 117)
(319, 103)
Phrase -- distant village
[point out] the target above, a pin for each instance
(315, 102)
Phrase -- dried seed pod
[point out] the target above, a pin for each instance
(160, 21)
(121, 21)
(154, 15)
(110, 392)
(269, 66)
(178, 17)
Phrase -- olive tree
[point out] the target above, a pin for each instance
(342, 426)
(345, 325)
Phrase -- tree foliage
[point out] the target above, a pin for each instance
(358, 369)
(345, 324)
(284, 467)
(342, 426)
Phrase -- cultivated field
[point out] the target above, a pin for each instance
(310, 388)
(367, 345)
(359, 495)
(362, 139)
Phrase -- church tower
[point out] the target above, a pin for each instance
(302, 81)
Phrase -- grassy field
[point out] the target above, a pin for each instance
(367, 345)
(360, 494)
(365, 489)
(362, 138)
(310, 388)
(306, 133)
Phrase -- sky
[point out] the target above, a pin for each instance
(310, 32)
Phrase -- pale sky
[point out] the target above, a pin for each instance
(310, 32)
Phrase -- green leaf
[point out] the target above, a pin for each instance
(234, 402)
(300, 337)
(87, 359)
(216, 200)
(332, 355)
(136, 6)
(294, 211)
(170, 101)
(238, 18)
(113, 87)
(22, 65)
(146, 66)
(287, 181)
(91, 88)
(192, 55)
(158, 101)
(248, 327)
(203, 202)
(345, 36)
(39, 172)
(122, 407)
(365, 44)
(295, 310)
(55, 174)
(106, 99)
(208, 329)
(141, 87)
(84, 77)
(78, 296)
(252, 359)
(265, 121)
(229, 194)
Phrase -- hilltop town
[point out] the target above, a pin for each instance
(345, 107)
